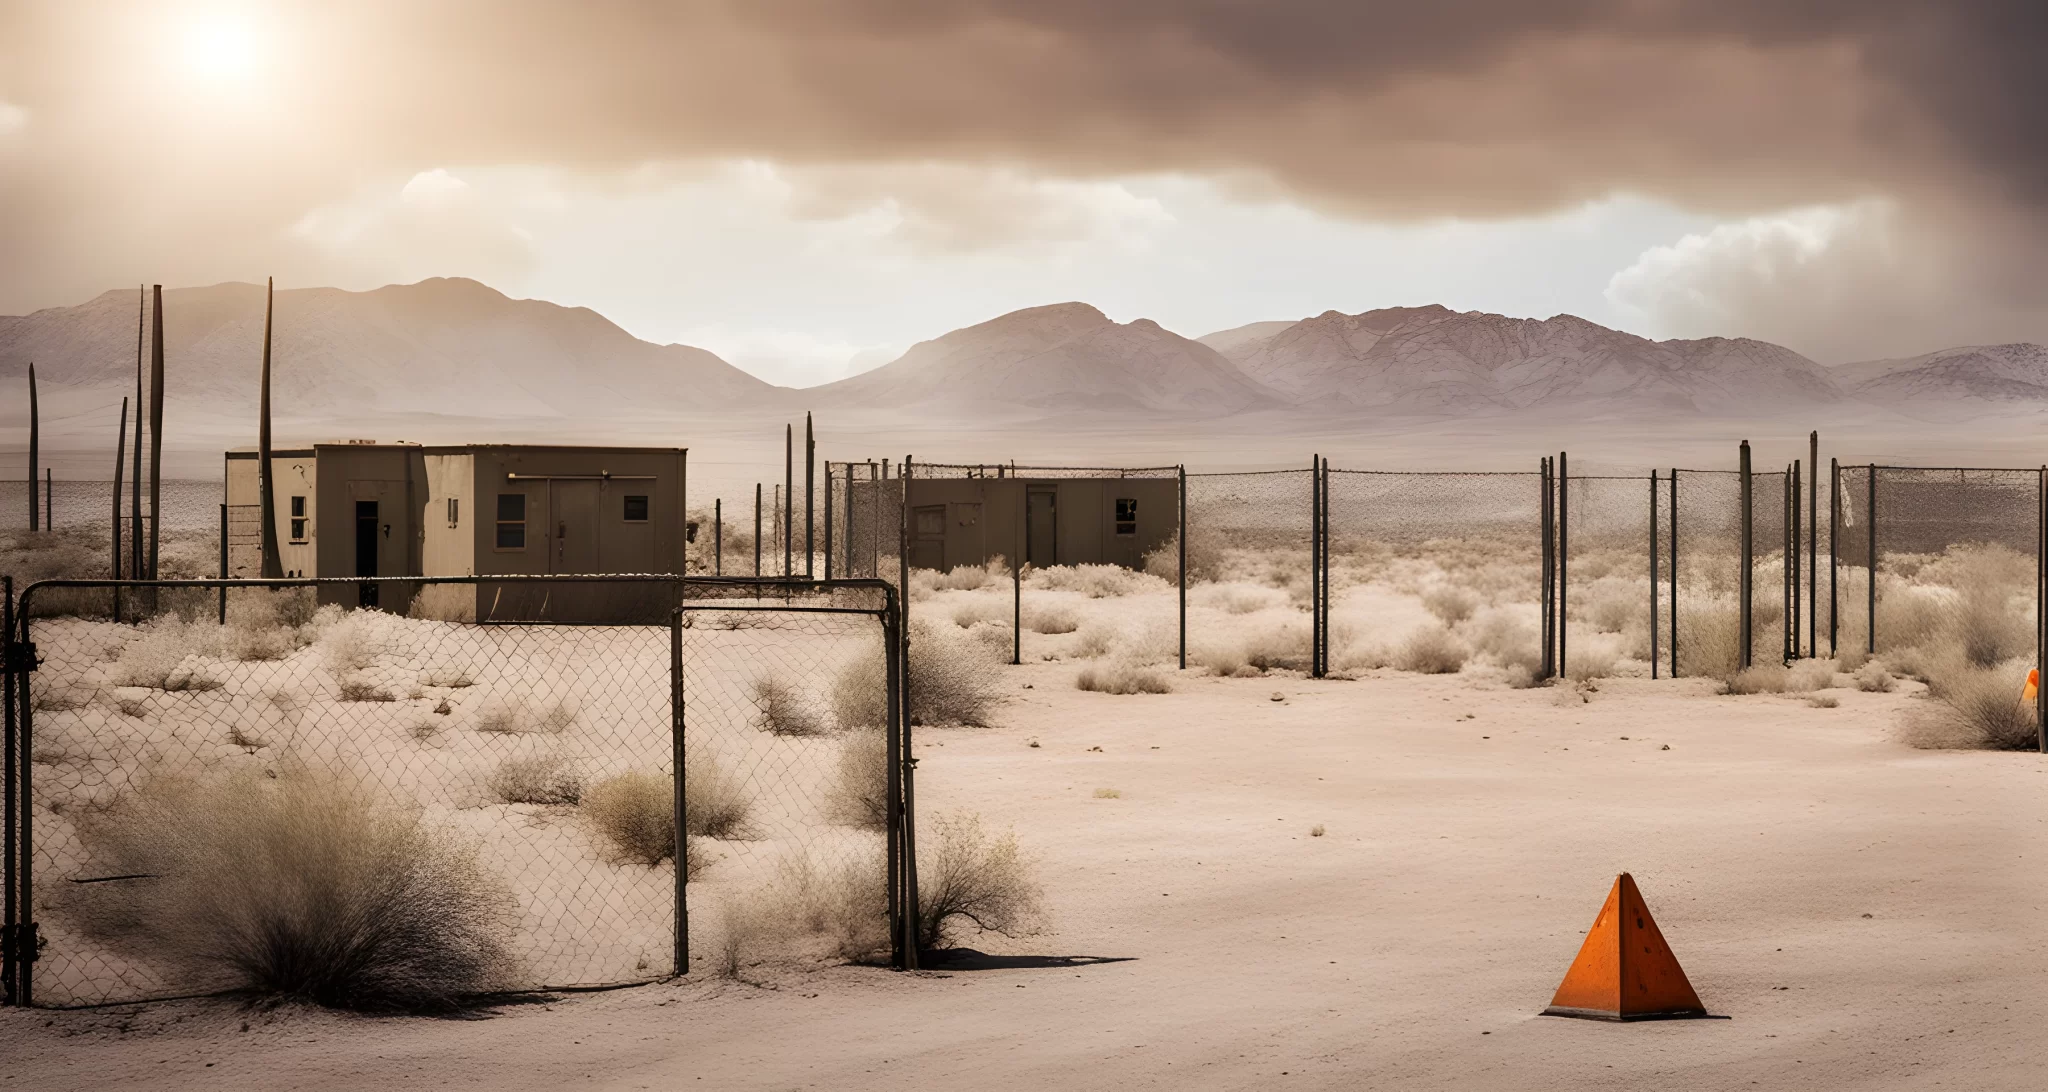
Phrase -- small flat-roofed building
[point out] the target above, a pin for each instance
(387, 509)
(1047, 521)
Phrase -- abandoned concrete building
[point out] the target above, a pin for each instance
(1045, 521)
(391, 509)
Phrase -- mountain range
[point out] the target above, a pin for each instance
(459, 348)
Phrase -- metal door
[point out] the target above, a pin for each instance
(928, 537)
(367, 544)
(574, 510)
(1042, 529)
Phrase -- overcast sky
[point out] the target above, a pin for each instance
(805, 186)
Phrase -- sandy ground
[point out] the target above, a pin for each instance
(1859, 911)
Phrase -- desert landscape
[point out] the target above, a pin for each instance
(1015, 544)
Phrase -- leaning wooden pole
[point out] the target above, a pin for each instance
(120, 456)
(156, 428)
(135, 483)
(273, 562)
(35, 439)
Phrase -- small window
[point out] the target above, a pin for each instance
(454, 511)
(511, 521)
(1127, 515)
(298, 519)
(931, 520)
(636, 509)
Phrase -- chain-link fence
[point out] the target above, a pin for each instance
(1252, 574)
(193, 792)
(863, 521)
(1972, 530)
(1467, 545)
(1608, 601)
(794, 770)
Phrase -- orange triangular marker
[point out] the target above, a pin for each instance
(1625, 971)
(2033, 687)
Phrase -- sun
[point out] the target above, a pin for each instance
(220, 50)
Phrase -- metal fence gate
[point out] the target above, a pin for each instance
(797, 765)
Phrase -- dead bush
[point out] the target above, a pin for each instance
(952, 681)
(1205, 557)
(1709, 639)
(444, 603)
(635, 814)
(1587, 659)
(966, 878)
(1122, 677)
(549, 779)
(1052, 618)
(1450, 603)
(715, 804)
(161, 658)
(304, 885)
(1980, 707)
(781, 709)
(1093, 581)
(348, 646)
(363, 690)
(1431, 650)
(517, 715)
(858, 795)
(1872, 678)
(1510, 641)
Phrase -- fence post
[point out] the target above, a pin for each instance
(24, 934)
(828, 519)
(1017, 578)
(1564, 560)
(1788, 564)
(1181, 577)
(1870, 630)
(224, 564)
(682, 815)
(1813, 548)
(1653, 574)
(718, 536)
(1674, 572)
(909, 719)
(1744, 580)
(1323, 576)
(757, 528)
(892, 655)
(1544, 553)
(1834, 557)
(9, 864)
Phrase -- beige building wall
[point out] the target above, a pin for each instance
(292, 475)
(449, 546)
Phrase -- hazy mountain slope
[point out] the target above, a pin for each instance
(440, 346)
(1433, 359)
(1990, 373)
(1242, 339)
(1063, 357)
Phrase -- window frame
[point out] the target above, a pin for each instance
(1125, 527)
(297, 509)
(502, 524)
(646, 508)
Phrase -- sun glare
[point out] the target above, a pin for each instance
(220, 50)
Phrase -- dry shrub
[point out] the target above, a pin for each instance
(1093, 581)
(1123, 677)
(1510, 641)
(363, 690)
(1587, 659)
(635, 814)
(1760, 679)
(303, 885)
(536, 779)
(1709, 639)
(715, 804)
(1205, 557)
(444, 603)
(858, 795)
(1240, 598)
(161, 658)
(780, 709)
(1824, 701)
(1611, 604)
(449, 676)
(1051, 618)
(1431, 650)
(348, 646)
(840, 911)
(1872, 678)
(267, 623)
(967, 878)
(1096, 639)
(1450, 603)
(952, 681)
(969, 613)
(520, 715)
(1978, 707)
(1985, 626)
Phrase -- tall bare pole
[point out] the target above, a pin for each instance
(273, 563)
(120, 456)
(156, 425)
(788, 491)
(810, 485)
(135, 485)
(35, 439)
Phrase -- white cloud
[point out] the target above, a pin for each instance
(791, 358)
(435, 225)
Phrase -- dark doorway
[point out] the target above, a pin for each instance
(366, 550)
(928, 537)
(1041, 528)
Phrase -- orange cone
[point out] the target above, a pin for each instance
(1625, 971)
(2033, 687)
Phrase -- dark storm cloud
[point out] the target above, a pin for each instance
(1453, 107)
